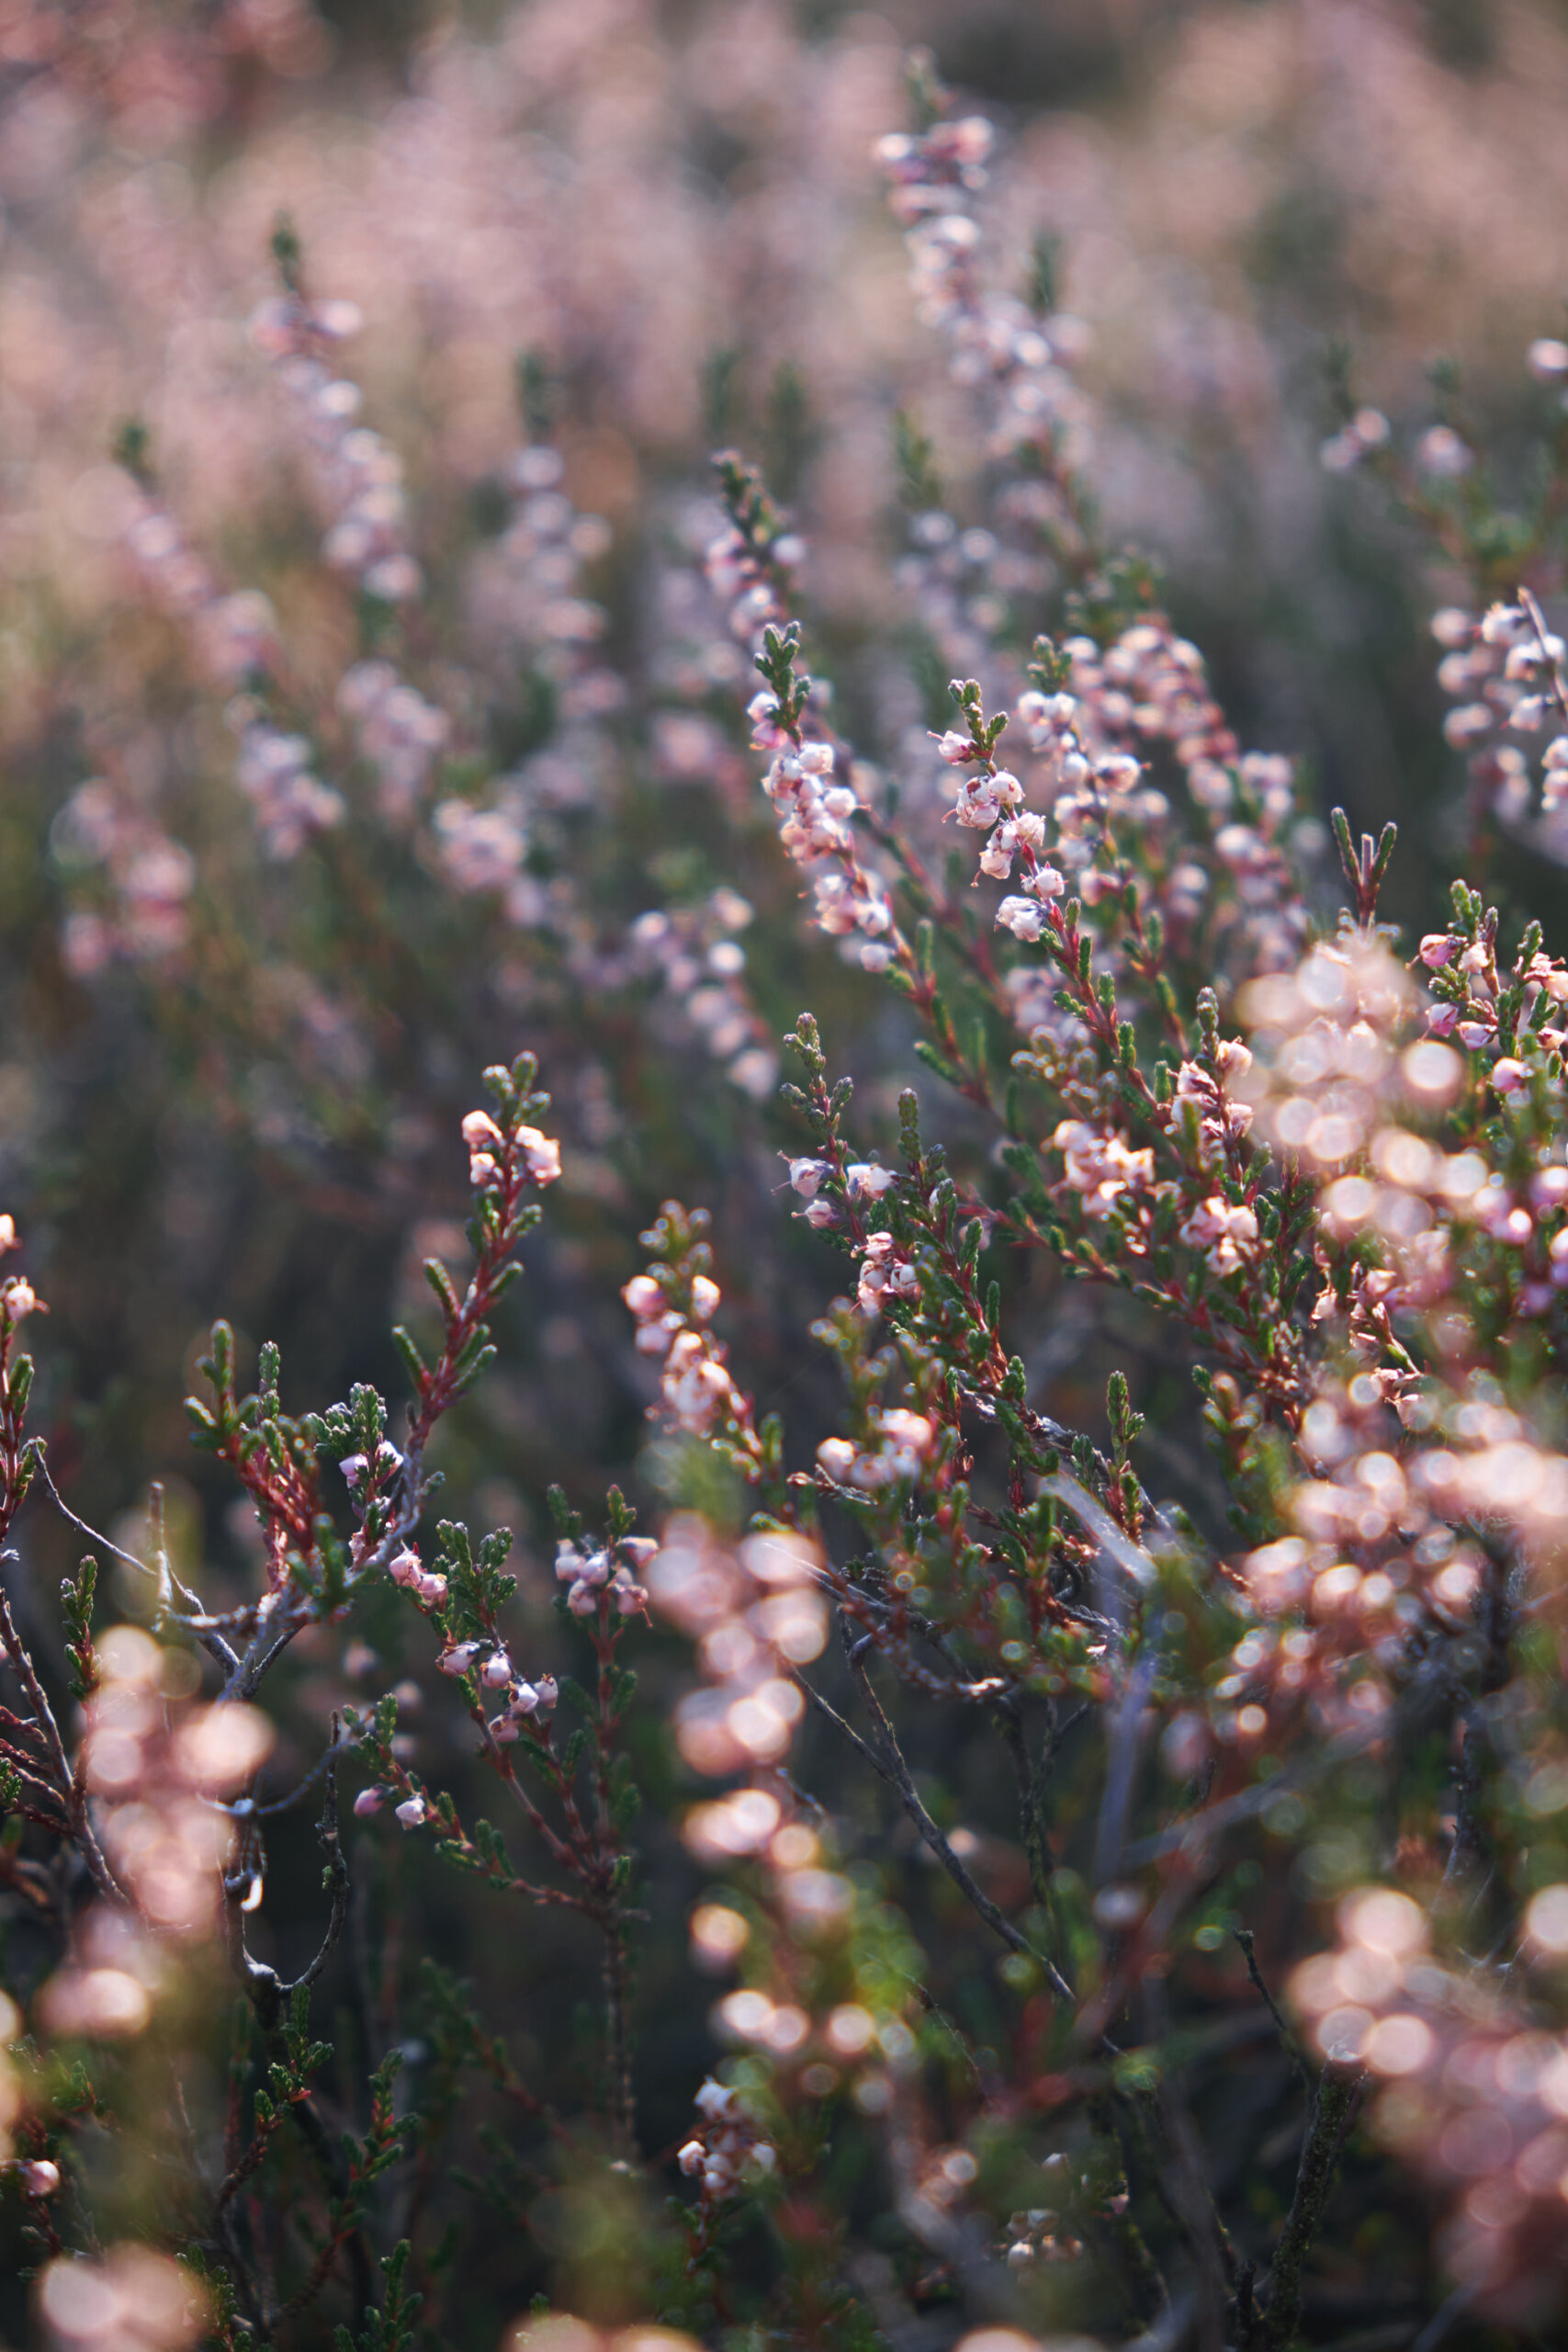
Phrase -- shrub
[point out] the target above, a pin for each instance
(1081, 1670)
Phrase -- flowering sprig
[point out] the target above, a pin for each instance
(673, 1302)
(587, 1841)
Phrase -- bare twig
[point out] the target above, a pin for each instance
(1336, 2090)
(73, 1796)
(1292, 2047)
(896, 1771)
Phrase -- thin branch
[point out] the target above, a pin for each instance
(212, 1642)
(897, 1773)
(337, 1871)
(1292, 2047)
(1336, 2090)
(847, 1730)
(74, 1798)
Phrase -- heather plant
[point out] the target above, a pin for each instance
(962, 1854)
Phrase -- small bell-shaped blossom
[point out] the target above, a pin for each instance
(459, 1659)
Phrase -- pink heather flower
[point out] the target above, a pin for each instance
(353, 1465)
(1509, 1076)
(706, 1297)
(641, 1551)
(573, 1567)
(1222, 1230)
(1045, 882)
(413, 1812)
(431, 1590)
(838, 1458)
(956, 749)
(1022, 917)
(807, 1175)
(885, 1274)
(1440, 452)
(1474, 1033)
(404, 1568)
(458, 1659)
(547, 1694)
(37, 2176)
(525, 1700)
(8, 1234)
(643, 1296)
(496, 1672)
(1118, 771)
(541, 1155)
(696, 1385)
(1548, 359)
(479, 1131)
(367, 1802)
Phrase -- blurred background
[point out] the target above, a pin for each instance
(669, 214)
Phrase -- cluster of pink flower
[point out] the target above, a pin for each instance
(756, 1612)
(525, 595)
(525, 587)
(397, 731)
(289, 801)
(151, 876)
(903, 1443)
(1101, 1167)
(749, 576)
(701, 963)
(961, 588)
(1504, 671)
(1471, 2092)
(1325, 1041)
(233, 637)
(886, 1270)
(596, 1574)
(728, 2148)
(1373, 1560)
(1468, 993)
(809, 1909)
(234, 640)
(1361, 433)
(161, 1774)
(997, 340)
(814, 811)
(478, 849)
(672, 1309)
(130, 2298)
(1149, 687)
(360, 476)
